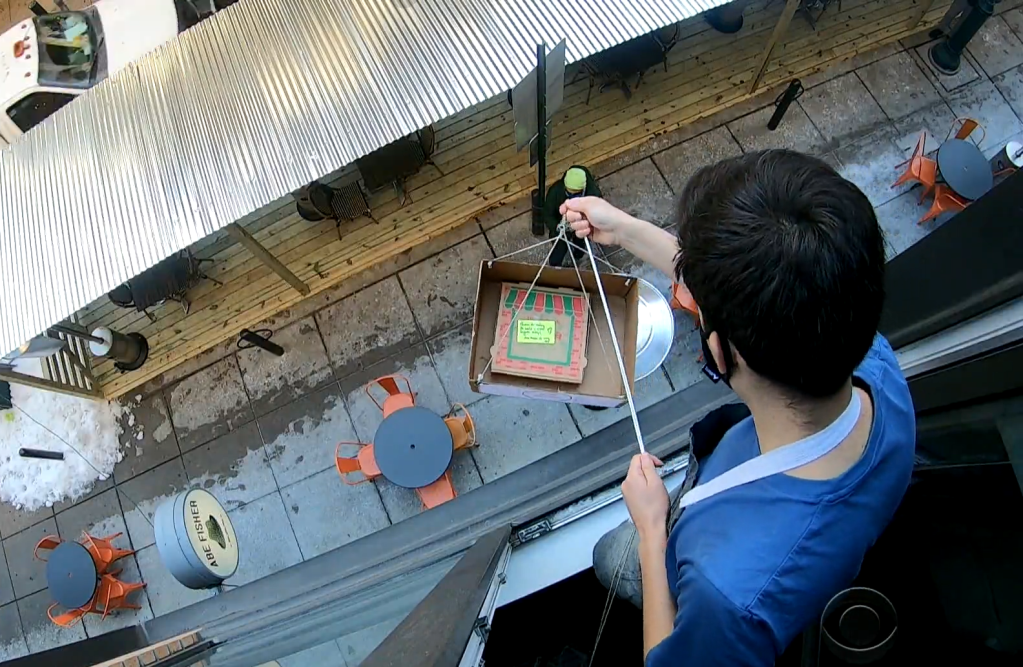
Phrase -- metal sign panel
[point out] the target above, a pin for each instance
(524, 98)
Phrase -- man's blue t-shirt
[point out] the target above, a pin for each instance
(753, 566)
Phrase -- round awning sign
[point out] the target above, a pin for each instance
(196, 539)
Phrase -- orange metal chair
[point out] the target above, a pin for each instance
(48, 543)
(115, 592)
(944, 201)
(463, 429)
(681, 299)
(69, 618)
(966, 128)
(365, 463)
(438, 493)
(103, 551)
(922, 169)
(396, 398)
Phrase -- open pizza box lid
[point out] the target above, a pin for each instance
(601, 384)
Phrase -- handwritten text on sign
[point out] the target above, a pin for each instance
(540, 332)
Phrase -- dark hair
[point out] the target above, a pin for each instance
(785, 259)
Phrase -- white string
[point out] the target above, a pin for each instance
(612, 592)
(618, 349)
(589, 305)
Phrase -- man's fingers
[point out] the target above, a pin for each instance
(657, 462)
(648, 465)
(636, 465)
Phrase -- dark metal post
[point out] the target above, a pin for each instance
(946, 54)
(38, 9)
(260, 339)
(541, 139)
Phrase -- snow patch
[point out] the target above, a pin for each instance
(91, 426)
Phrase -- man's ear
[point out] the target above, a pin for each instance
(714, 342)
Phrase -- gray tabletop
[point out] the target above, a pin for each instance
(413, 447)
(71, 575)
(964, 168)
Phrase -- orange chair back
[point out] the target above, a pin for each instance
(48, 543)
(945, 200)
(103, 551)
(115, 592)
(681, 299)
(463, 428)
(438, 493)
(68, 618)
(966, 128)
(392, 384)
(364, 463)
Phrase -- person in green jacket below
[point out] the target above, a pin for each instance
(577, 182)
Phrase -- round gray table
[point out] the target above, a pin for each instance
(413, 447)
(964, 168)
(71, 575)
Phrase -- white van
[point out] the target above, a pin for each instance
(46, 61)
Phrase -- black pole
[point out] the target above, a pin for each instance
(541, 139)
(38, 9)
(27, 453)
(946, 54)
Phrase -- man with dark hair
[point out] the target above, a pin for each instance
(785, 261)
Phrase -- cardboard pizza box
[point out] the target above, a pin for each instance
(601, 384)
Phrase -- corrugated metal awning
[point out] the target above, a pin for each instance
(246, 107)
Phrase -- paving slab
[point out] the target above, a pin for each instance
(945, 83)
(234, 467)
(149, 490)
(28, 575)
(679, 163)
(123, 618)
(899, 218)
(209, 404)
(996, 47)
(841, 108)
(684, 362)
(357, 646)
(442, 290)
(515, 234)
(14, 520)
(163, 590)
(795, 132)
(1014, 19)
(1010, 85)
(935, 120)
(982, 102)
(416, 365)
(266, 542)
(324, 655)
(401, 503)
(640, 190)
(649, 390)
(327, 513)
(41, 634)
(515, 432)
(273, 381)
(899, 85)
(869, 161)
(98, 487)
(367, 326)
(148, 438)
(450, 352)
(100, 516)
(302, 436)
(12, 639)
(6, 588)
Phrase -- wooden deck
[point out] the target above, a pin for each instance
(477, 169)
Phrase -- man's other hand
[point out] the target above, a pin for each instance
(646, 497)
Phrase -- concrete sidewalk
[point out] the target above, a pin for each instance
(259, 431)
